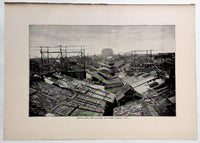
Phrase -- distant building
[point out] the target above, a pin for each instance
(107, 52)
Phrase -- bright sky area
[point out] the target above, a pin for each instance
(120, 38)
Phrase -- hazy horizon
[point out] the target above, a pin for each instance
(121, 39)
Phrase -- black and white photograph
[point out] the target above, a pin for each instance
(102, 70)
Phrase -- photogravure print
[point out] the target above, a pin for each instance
(102, 70)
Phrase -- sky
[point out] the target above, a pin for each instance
(121, 39)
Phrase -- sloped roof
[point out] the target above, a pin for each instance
(121, 93)
(137, 81)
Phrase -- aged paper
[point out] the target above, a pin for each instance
(18, 124)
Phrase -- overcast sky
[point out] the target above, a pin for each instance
(96, 38)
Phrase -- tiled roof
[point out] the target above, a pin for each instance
(72, 98)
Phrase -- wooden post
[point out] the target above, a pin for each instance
(48, 54)
(41, 59)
